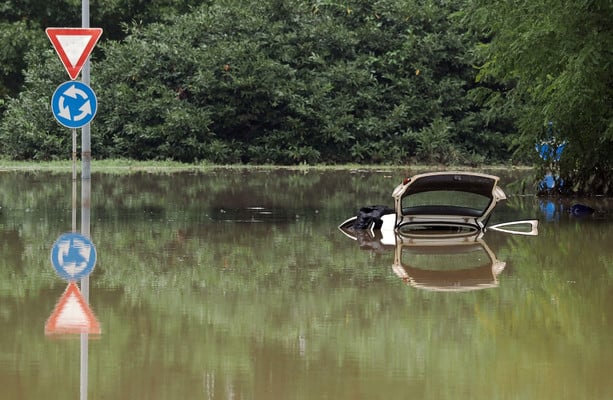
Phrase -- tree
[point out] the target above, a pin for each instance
(22, 24)
(276, 81)
(549, 62)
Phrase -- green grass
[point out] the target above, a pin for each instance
(125, 165)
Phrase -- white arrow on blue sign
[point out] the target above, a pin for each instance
(74, 104)
(73, 256)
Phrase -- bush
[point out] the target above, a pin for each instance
(278, 81)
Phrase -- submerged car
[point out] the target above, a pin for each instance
(444, 204)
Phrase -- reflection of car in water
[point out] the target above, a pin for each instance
(437, 260)
(454, 264)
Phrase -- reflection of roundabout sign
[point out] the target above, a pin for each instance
(73, 256)
(74, 104)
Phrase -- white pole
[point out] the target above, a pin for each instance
(74, 180)
(85, 207)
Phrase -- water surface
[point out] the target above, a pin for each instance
(237, 284)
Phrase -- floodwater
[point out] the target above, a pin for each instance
(237, 284)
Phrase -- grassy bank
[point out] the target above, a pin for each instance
(124, 165)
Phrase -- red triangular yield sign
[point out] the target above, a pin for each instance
(72, 315)
(74, 45)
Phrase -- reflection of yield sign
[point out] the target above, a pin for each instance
(72, 315)
(73, 256)
(74, 104)
(73, 45)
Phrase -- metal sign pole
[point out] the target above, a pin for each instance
(73, 46)
(74, 180)
(86, 156)
(85, 208)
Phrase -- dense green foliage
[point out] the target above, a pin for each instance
(22, 24)
(275, 82)
(552, 62)
(293, 81)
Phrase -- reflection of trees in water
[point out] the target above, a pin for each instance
(12, 248)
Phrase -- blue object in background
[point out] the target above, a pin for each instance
(549, 151)
(548, 183)
(551, 210)
(581, 210)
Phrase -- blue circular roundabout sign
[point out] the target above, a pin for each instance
(74, 104)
